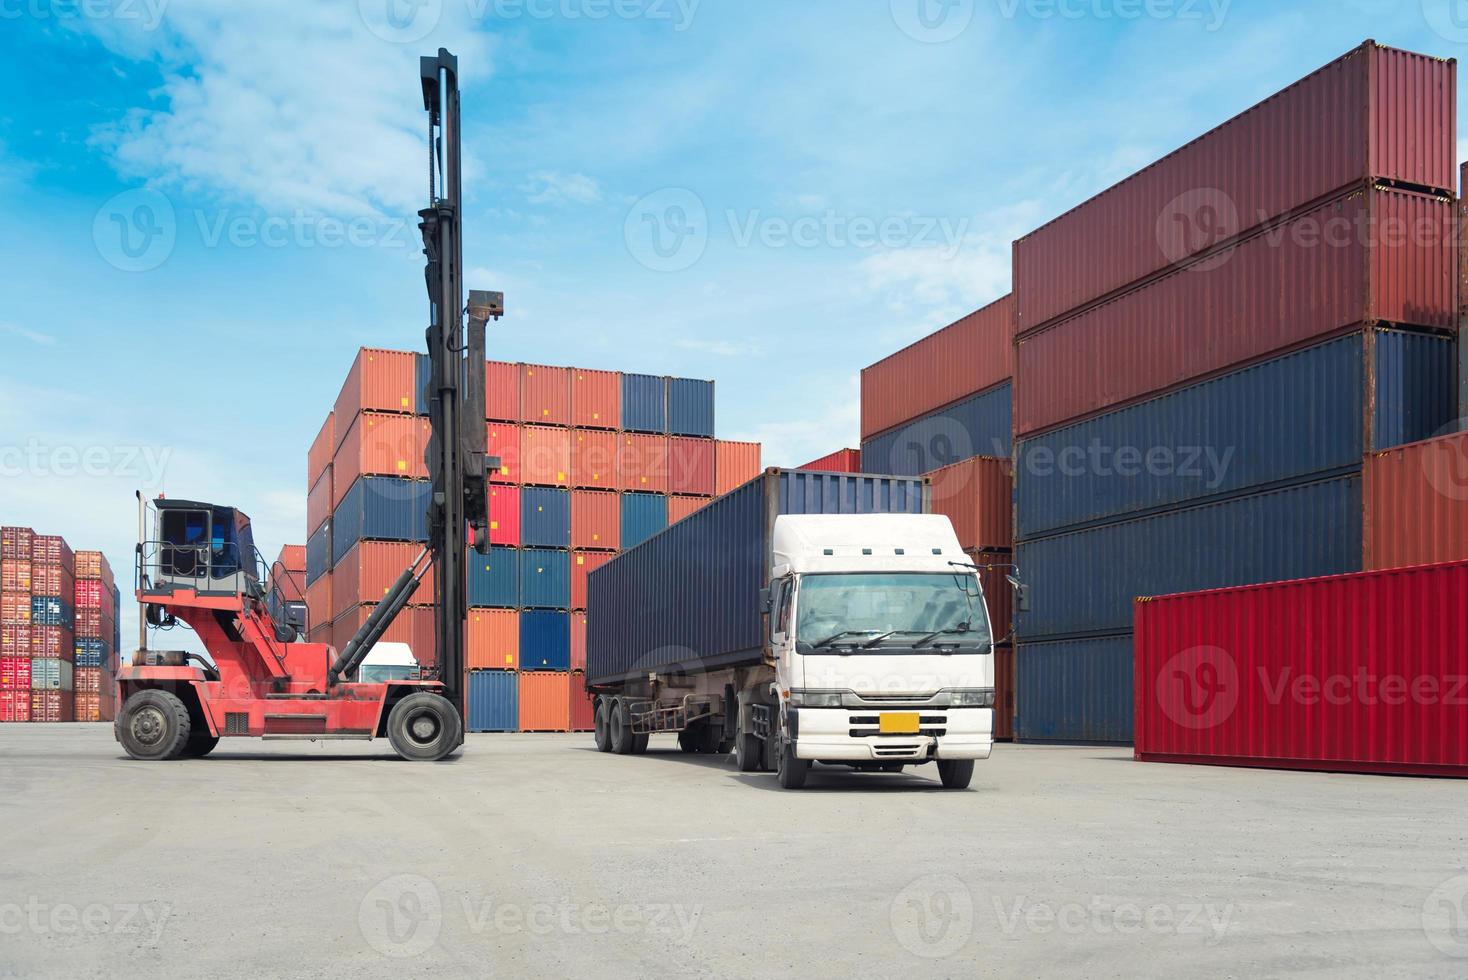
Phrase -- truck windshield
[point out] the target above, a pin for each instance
(892, 609)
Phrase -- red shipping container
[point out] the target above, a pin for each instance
(504, 515)
(320, 606)
(841, 461)
(15, 673)
(90, 595)
(596, 520)
(691, 466)
(492, 639)
(292, 557)
(501, 391)
(594, 459)
(93, 564)
(735, 464)
(583, 563)
(53, 641)
(16, 543)
(545, 701)
(15, 575)
(52, 706)
(1004, 694)
(368, 571)
(48, 578)
(323, 447)
(642, 463)
(1375, 113)
(1278, 290)
(92, 625)
(545, 394)
(413, 626)
(1353, 673)
(378, 444)
(379, 381)
(596, 399)
(87, 679)
(15, 609)
(578, 641)
(52, 549)
(15, 640)
(962, 359)
(583, 710)
(977, 496)
(545, 456)
(681, 507)
(15, 706)
(995, 567)
(320, 503)
(504, 445)
(1416, 502)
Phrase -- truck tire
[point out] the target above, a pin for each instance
(749, 752)
(687, 742)
(619, 733)
(424, 727)
(711, 738)
(602, 736)
(153, 725)
(956, 773)
(792, 770)
(639, 744)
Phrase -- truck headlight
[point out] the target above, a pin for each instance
(978, 697)
(816, 699)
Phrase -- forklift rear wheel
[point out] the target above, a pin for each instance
(199, 745)
(153, 725)
(424, 727)
(603, 737)
(619, 731)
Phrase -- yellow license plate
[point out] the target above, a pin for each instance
(899, 723)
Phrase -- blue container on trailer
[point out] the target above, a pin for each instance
(1074, 690)
(545, 517)
(493, 701)
(1083, 583)
(643, 515)
(545, 579)
(318, 553)
(50, 610)
(545, 640)
(690, 407)
(978, 426)
(494, 579)
(689, 597)
(380, 508)
(644, 403)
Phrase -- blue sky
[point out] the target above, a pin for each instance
(853, 174)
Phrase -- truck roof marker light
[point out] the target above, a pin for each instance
(829, 551)
(937, 551)
(900, 551)
(866, 551)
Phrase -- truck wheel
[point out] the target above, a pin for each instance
(153, 725)
(687, 742)
(603, 737)
(956, 773)
(639, 744)
(792, 770)
(710, 737)
(619, 733)
(199, 745)
(749, 753)
(424, 727)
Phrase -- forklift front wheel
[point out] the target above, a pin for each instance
(424, 727)
(153, 725)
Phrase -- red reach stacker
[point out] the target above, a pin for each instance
(196, 563)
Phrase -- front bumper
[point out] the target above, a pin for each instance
(853, 735)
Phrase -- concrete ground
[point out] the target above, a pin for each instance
(536, 856)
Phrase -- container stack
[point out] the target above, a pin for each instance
(841, 461)
(37, 618)
(591, 462)
(287, 598)
(1206, 353)
(97, 637)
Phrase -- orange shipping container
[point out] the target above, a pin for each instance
(319, 503)
(368, 571)
(15, 575)
(578, 641)
(546, 394)
(292, 557)
(413, 626)
(545, 702)
(583, 563)
(501, 391)
(977, 495)
(377, 444)
(493, 639)
(15, 609)
(379, 381)
(596, 399)
(88, 706)
(596, 520)
(642, 463)
(735, 464)
(320, 610)
(681, 507)
(545, 456)
(93, 564)
(323, 447)
(1417, 504)
(504, 444)
(594, 459)
(691, 466)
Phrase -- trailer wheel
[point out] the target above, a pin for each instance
(153, 725)
(618, 731)
(792, 770)
(603, 738)
(749, 752)
(424, 727)
(956, 773)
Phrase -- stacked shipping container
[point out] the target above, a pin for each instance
(97, 638)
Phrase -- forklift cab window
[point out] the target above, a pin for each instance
(185, 534)
(224, 545)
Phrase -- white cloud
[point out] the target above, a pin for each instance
(24, 333)
(836, 425)
(549, 187)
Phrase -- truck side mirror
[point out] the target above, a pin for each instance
(765, 600)
(1021, 594)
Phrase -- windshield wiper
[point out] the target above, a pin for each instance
(878, 639)
(832, 639)
(961, 628)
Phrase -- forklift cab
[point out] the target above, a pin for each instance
(199, 546)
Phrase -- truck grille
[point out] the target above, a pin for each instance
(864, 726)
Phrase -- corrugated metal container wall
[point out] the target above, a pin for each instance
(545, 579)
(644, 403)
(1083, 582)
(323, 447)
(642, 463)
(594, 459)
(380, 508)
(980, 426)
(492, 639)
(1074, 690)
(578, 641)
(504, 444)
(596, 520)
(1417, 504)
(292, 557)
(377, 444)
(16, 542)
(666, 603)
(977, 496)
(501, 391)
(545, 394)
(368, 571)
(545, 517)
(691, 466)
(413, 626)
(583, 709)
(504, 515)
(643, 515)
(841, 461)
(493, 701)
(963, 358)
(1360, 673)
(318, 553)
(545, 641)
(681, 507)
(379, 380)
(494, 579)
(320, 606)
(583, 563)
(1004, 694)
(1416, 392)
(545, 702)
(1278, 289)
(690, 407)
(1376, 112)
(596, 399)
(545, 456)
(735, 464)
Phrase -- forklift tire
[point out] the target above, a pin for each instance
(199, 745)
(792, 770)
(424, 727)
(603, 738)
(153, 725)
(956, 773)
(619, 732)
(749, 752)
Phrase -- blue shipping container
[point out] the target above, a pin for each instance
(545, 579)
(545, 641)
(690, 596)
(50, 611)
(643, 515)
(494, 579)
(1084, 582)
(644, 403)
(91, 652)
(979, 426)
(1074, 690)
(424, 376)
(380, 508)
(1416, 397)
(690, 407)
(493, 701)
(318, 553)
(545, 517)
